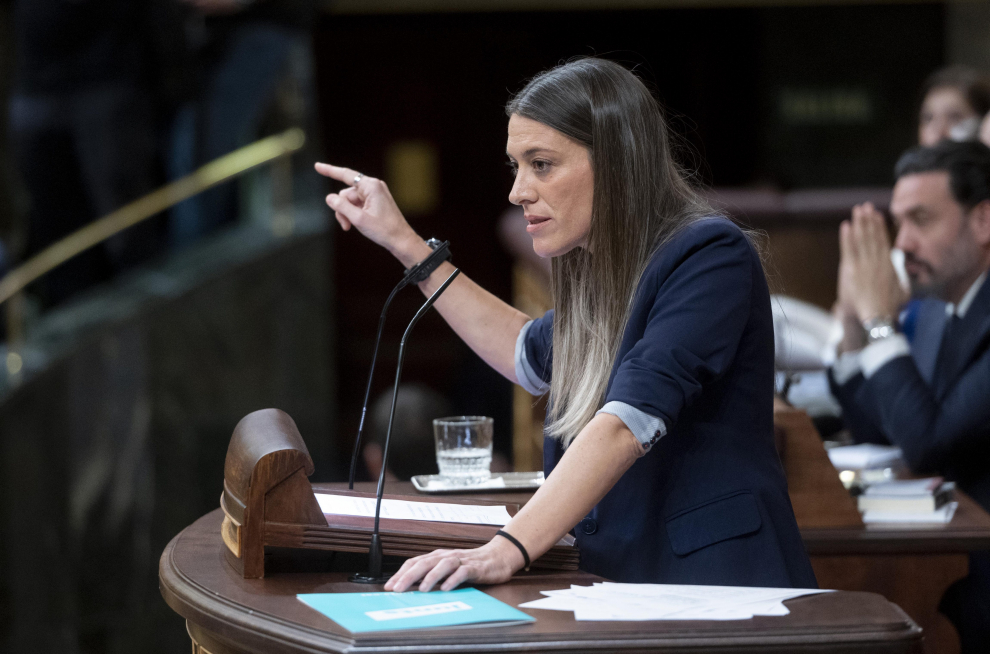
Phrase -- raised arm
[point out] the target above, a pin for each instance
(488, 325)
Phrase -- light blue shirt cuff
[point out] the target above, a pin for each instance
(646, 428)
(525, 374)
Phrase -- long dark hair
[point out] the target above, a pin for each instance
(641, 199)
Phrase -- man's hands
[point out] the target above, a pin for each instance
(492, 563)
(868, 285)
(853, 336)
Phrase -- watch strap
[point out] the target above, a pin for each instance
(878, 329)
(425, 268)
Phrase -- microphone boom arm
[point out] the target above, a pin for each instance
(416, 274)
(374, 574)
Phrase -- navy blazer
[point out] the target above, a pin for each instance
(708, 503)
(934, 404)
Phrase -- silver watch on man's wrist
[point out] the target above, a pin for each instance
(877, 329)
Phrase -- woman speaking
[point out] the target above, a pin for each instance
(658, 357)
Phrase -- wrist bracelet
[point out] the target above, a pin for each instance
(512, 539)
(423, 269)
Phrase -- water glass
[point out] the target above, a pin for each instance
(464, 449)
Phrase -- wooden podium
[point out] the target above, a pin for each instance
(268, 502)
(220, 574)
(228, 614)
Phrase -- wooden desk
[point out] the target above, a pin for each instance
(226, 614)
(911, 565)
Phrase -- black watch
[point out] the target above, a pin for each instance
(423, 269)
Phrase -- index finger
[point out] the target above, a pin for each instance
(338, 173)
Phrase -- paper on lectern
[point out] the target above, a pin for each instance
(637, 602)
(410, 510)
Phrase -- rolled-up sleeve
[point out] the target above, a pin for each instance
(646, 428)
(693, 328)
(533, 356)
(525, 373)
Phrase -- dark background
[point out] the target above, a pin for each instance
(726, 76)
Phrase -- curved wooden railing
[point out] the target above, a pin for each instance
(272, 149)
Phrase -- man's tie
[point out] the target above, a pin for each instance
(949, 352)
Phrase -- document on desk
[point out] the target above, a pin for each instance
(474, 514)
(942, 516)
(640, 602)
(864, 456)
(361, 612)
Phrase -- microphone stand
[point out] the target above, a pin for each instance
(374, 574)
(417, 273)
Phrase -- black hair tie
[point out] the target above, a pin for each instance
(512, 539)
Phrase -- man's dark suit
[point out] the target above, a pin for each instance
(935, 405)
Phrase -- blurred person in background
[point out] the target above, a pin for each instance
(9, 209)
(242, 49)
(412, 447)
(955, 99)
(412, 450)
(82, 127)
(927, 395)
(985, 130)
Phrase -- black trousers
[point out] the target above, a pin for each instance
(83, 154)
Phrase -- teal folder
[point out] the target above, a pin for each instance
(360, 612)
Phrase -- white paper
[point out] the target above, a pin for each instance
(439, 484)
(639, 602)
(864, 455)
(474, 514)
(905, 487)
(939, 516)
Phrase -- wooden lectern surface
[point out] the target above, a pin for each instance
(226, 613)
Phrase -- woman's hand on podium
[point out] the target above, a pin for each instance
(492, 563)
(367, 205)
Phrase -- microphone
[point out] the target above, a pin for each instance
(416, 274)
(374, 573)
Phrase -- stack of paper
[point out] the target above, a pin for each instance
(614, 601)
(475, 514)
(909, 500)
(941, 516)
(864, 456)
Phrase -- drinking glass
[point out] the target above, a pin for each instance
(464, 449)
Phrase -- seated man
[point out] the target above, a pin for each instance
(930, 397)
